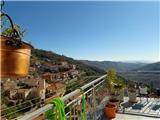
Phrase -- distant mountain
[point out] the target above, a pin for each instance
(135, 71)
(125, 69)
(150, 67)
(119, 66)
(48, 58)
(148, 74)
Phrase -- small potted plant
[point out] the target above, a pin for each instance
(114, 97)
(132, 93)
(110, 111)
(113, 103)
(15, 54)
(120, 91)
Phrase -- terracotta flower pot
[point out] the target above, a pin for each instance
(114, 102)
(14, 60)
(110, 111)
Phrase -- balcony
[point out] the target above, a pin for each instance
(95, 103)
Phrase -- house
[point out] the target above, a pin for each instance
(54, 90)
(23, 93)
(49, 76)
(58, 77)
(73, 73)
(12, 94)
(54, 68)
(42, 88)
(58, 88)
(39, 90)
(9, 84)
(15, 94)
(31, 82)
(64, 75)
(73, 66)
(64, 63)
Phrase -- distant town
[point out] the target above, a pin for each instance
(42, 88)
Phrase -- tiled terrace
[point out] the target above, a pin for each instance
(142, 110)
(130, 117)
(142, 107)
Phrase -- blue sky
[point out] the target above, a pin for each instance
(118, 31)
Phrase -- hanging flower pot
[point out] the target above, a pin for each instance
(15, 54)
(14, 60)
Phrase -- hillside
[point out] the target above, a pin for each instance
(140, 72)
(149, 74)
(48, 58)
(150, 67)
(119, 66)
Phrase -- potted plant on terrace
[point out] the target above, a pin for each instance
(113, 104)
(132, 93)
(110, 111)
(119, 87)
(114, 97)
(120, 92)
(15, 54)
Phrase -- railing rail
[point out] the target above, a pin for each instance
(42, 110)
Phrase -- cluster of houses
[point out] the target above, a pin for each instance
(56, 72)
(65, 72)
(44, 87)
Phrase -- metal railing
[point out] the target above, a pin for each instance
(73, 100)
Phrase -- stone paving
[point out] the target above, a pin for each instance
(150, 108)
(130, 117)
(142, 110)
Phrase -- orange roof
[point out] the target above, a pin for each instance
(32, 81)
(57, 85)
(23, 90)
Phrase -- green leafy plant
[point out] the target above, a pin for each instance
(114, 82)
(7, 30)
(111, 80)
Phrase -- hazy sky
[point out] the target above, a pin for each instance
(91, 30)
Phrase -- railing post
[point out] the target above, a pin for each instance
(94, 103)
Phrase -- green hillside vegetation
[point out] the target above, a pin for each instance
(118, 66)
(151, 67)
(51, 58)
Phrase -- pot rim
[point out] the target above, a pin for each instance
(24, 42)
(111, 106)
(113, 100)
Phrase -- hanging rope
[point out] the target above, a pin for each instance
(83, 106)
(58, 108)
